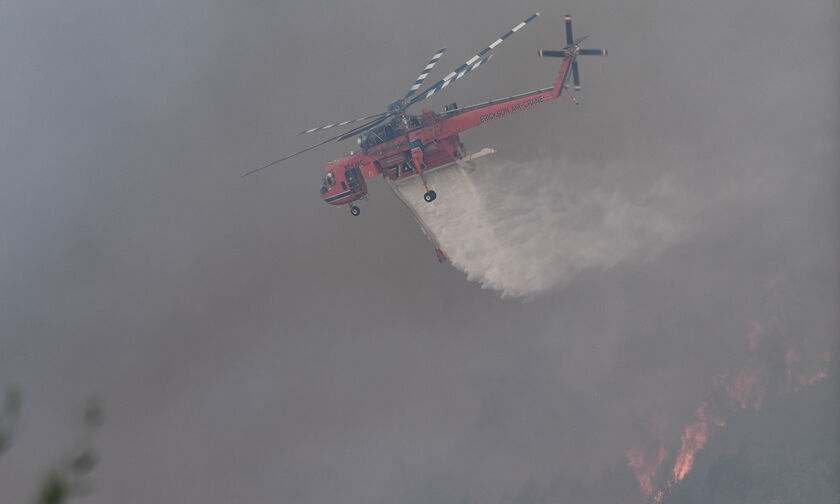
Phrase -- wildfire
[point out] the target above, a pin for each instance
(798, 380)
(694, 438)
(791, 361)
(754, 336)
(815, 378)
(645, 465)
(744, 389)
(645, 460)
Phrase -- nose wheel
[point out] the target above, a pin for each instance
(430, 196)
(354, 211)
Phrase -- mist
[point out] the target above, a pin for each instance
(249, 343)
(523, 229)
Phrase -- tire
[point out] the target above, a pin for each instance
(354, 210)
(430, 196)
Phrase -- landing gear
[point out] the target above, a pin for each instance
(354, 210)
(430, 194)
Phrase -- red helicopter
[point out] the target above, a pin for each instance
(398, 145)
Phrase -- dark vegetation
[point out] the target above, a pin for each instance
(66, 478)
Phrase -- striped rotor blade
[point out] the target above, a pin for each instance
(336, 138)
(359, 129)
(576, 75)
(570, 40)
(291, 156)
(345, 123)
(552, 54)
(443, 83)
(598, 52)
(424, 73)
(470, 63)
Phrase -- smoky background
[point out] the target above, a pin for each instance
(251, 343)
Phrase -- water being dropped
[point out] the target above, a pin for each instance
(526, 228)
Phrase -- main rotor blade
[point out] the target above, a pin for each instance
(337, 138)
(576, 75)
(570, 40)
(443, 83)
(344, 123)
(291, 156)
(364, 127)
(594, 52)
(466, 67)
(424, 73)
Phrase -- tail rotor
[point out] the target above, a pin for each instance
(572, 50)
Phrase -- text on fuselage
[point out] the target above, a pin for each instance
(510, 110)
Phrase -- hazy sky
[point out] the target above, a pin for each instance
(252, 344)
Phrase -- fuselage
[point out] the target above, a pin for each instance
(344, 180)
(431, 144)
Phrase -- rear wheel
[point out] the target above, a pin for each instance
(354, 210)
(430, 196)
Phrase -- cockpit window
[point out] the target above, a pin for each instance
(330, 178)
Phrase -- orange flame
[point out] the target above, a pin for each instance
(755, 335)
(791, 360)
(694, 438)
(644, 465)
(746, 390)
(644, 461)
(644, 472)
(813, 379)
(798, 380)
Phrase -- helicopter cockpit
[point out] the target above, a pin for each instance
(329, 181)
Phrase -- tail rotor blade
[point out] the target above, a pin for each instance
(570, 40)
(552, 54)
(424, 73)
(576, 75)
(593, 52)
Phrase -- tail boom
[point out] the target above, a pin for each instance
(562, 76)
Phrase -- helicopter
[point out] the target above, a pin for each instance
(398, 145)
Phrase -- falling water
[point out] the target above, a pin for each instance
(525, 228)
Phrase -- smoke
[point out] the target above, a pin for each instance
(523, 228)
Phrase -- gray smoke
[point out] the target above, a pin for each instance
(253, 344)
